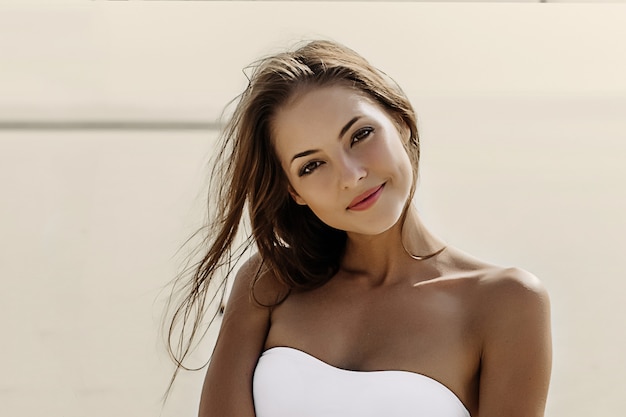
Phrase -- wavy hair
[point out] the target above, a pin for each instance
(298, 249)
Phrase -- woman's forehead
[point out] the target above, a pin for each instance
(318, 112)
(325, 106)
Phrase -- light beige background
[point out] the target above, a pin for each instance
(522, 111)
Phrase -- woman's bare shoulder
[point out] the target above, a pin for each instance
(503, 298)
(492, 278)
(496, 291)
(258, 284)
(507, 287)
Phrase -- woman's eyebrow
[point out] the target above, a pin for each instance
(348, 125)
(305, 153)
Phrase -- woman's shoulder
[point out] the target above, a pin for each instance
(513, 299)
(261, 285)
(499, 288)
(505, 299)
(511, 282)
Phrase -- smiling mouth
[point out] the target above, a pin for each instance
(367, 199)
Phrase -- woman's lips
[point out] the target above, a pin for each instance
(367, 199)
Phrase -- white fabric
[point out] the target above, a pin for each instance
(291, 383)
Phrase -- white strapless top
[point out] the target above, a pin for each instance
(291, 383)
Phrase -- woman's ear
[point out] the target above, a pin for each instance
(295, 196)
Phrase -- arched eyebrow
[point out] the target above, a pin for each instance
(305, 153)
(348, 126)
(341, 133)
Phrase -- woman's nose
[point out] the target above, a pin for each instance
(351, 171)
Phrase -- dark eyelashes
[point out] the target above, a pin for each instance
(309, 167)
(362, 134)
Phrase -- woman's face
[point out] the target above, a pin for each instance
(344, 158)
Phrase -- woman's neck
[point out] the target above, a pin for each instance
(381, 258)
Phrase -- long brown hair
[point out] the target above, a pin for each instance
(296, 248)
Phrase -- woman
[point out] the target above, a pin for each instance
(323, 150)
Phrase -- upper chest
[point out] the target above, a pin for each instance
(401, 325)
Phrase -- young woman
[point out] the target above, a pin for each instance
(351, 307)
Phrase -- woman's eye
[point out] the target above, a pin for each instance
(361, 134)
(309, 167)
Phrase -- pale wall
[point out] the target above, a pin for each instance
(523, 122)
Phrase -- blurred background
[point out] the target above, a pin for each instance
(109, 113)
